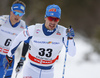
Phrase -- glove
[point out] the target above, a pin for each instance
(70, 33)
(20, 64)
(7, 62)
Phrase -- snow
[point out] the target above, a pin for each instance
(76, 67)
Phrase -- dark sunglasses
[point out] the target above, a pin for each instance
(53, 19)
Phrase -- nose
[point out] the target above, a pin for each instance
(53, 22)
(17, 15)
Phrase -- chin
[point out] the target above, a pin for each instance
(16, 20)
(52, 29)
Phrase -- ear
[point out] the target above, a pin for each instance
(45, 18)
(11, 12)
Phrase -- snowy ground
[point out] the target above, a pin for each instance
(76, 67)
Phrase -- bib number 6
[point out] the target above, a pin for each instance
(47, 52)
(8, 41)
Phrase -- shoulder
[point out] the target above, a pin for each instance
(30, 29)
(23, 23)
(38, 25)
(62, 28)
(3, 18)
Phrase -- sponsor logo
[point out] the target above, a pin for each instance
(58, 33)
(46, 42)
(37, 31)
(3, 50)
(27, 77)
(22, 27)
(9, 32)
(49, 42)
(16, 7)
(53, 9)
(40, 61)
(43, 58)
(51, 13)
(22, 7)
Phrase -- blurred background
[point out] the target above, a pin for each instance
(83, 15)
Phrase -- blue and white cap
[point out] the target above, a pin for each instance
(18, 6)
(53, 11)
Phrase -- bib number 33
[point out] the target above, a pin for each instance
(45, 52)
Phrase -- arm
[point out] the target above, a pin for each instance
(21, 37)
(24, 52)
(3, 19)
(71, 48)
(70, 39)
(22, 59)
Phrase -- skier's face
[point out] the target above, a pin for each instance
(51, 22)
(15, 18)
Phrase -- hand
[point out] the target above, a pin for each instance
(7, 62)
(70, 33)
(20, 64)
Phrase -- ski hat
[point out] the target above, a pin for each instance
(18, 6)
(53, 11)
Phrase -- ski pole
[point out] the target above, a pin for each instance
(6, 71)
(16, 75)
(65, 59)
(65, 56)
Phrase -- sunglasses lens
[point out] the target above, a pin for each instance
(14, 12)
(50, 19)
(57, 19)
(53, 19)
(18, 13)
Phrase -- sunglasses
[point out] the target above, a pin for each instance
(17, 13)
(53, 19)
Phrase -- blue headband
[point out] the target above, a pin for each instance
(18, 6)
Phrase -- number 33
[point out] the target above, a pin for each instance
(42, 53)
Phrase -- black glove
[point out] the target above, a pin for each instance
(7, 62)
(20, 64)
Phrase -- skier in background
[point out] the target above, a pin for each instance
(10, 26)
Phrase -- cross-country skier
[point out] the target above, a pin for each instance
(44, 42)
(10, 26)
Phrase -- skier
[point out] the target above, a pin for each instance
(10, 26)
(43, 42)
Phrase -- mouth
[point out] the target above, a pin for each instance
(52, 26)
(16, 19)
